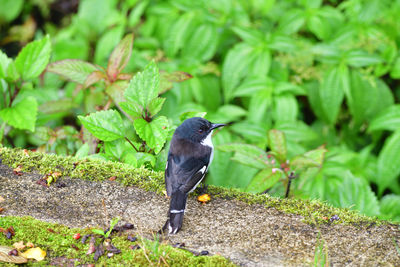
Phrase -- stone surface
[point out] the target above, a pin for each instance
(249, 235)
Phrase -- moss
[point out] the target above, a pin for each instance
(57, 241)
(313, 211)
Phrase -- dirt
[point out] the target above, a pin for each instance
(249, 235)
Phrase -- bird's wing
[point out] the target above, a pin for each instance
(184, 173)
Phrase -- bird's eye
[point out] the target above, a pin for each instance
(201, 130)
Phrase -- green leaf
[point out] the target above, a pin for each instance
(116, 149)
(312, 158)
(227, 113)
(249, 155)
(33, 58)
(253, 85)
(21, 115)
(282, 43)
(83, 151)
(355, 193)
(297, 131)
(292, 21)
(388, 119)
(365, 97)
(263, 180)
(300, 163)
(203, 43)
(389, 162)
(154, 133)
(179, 33)
(74, 70)
(234, 68)
(10, 10)
(331, 94)
(320, 26)
(132, 109)
(285, 108)
(120, 57)
(253, 132)
(277, 144)
(249, 35)
(190, 114)
(261, 62)
(113, 222)
(98, 231)
(360, 58)
(259, 106)
(4, 62)
(144, 86)
(390, 207)
(105, 125)
(136, 13)
(106, 43)
(143, 158)
(155, 105)
(317, 154)
(248, 160)
(395, 72)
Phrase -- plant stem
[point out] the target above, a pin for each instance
(129, 141)
(3, 126)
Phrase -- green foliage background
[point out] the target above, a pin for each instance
(322, 72)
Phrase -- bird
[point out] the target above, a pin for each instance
(190, 154)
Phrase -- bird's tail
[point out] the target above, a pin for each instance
(176, 211)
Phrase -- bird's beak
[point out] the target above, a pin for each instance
(216, 125)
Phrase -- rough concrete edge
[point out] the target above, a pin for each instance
(312, 211)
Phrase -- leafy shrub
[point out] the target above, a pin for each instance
(320, 72)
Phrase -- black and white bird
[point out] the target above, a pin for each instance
(189, 157)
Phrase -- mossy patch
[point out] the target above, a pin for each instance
(57, 241)
(313, 211)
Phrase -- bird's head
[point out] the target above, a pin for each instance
(197, 129)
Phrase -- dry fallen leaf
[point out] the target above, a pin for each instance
(204, 198)
(56, 174)
(1, 199)
(34, 253)
(18, 171)
(4, 257)
(26, 152)
(19, 245)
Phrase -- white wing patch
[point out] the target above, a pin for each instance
(202, 171)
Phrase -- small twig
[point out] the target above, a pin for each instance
(107, 105)
(16, 91)
(290, 177)
(129, 141)
(5, 99)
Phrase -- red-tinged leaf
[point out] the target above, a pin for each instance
(93, 78)
(116, 91)
(317, 154)
(74, 70)
(167, 79)
(124, 76)
(120, 57)
(277, 144)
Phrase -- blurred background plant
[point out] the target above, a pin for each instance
(314, 72)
